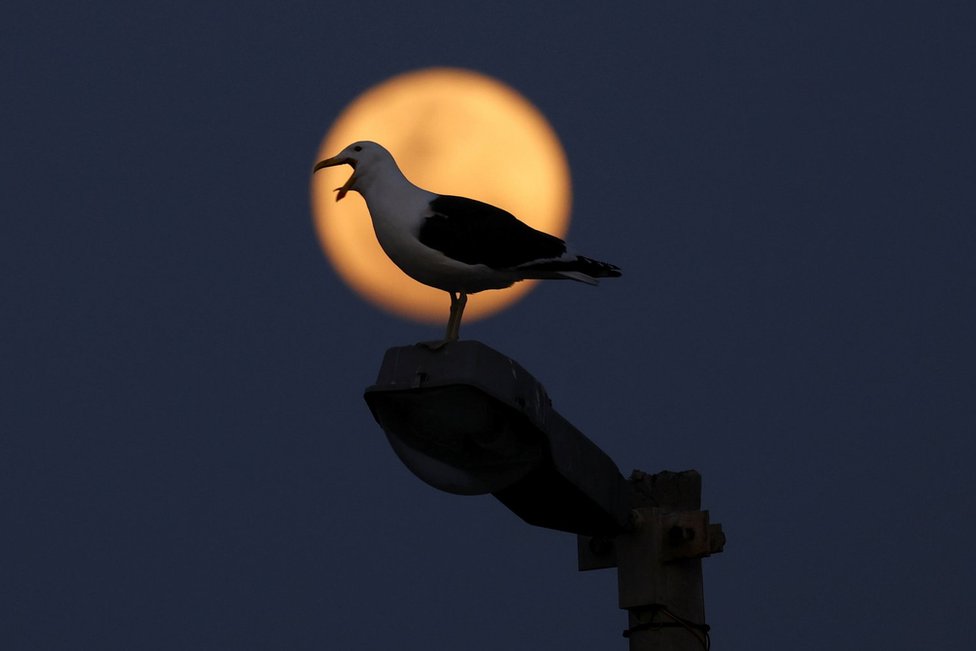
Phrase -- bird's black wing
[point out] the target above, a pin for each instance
(478, 233)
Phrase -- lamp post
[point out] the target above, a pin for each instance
(468, 420)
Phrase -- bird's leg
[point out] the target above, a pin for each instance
(458, 301)
(462, 301)
(453, 322)
(452, 319)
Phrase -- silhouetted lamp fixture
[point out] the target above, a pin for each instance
(468, 420)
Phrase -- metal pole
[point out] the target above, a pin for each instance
(659, 571)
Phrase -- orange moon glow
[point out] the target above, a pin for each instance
(452, 132)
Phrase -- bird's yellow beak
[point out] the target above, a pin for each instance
(332, 162)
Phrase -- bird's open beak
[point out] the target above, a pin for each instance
(332, 162)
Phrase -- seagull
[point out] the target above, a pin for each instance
(459, 245)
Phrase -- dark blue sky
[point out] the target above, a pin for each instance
(186, 461)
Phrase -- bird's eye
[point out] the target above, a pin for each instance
(357, 148)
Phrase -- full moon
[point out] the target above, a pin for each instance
(452, 132)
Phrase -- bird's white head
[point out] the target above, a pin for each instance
(364, 157)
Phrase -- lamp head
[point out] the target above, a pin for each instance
(468, 420)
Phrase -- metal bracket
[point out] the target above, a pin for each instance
(684, 534)
(687, 534)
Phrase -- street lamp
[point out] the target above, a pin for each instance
(468, 420)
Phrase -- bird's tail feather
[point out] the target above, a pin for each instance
(578, 275)
(585, 270)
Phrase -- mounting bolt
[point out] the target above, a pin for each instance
(679, 535)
